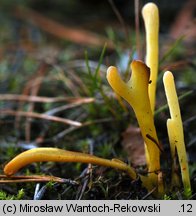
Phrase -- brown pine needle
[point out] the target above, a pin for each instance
(41, 116)
(39, 99)
(32, 178)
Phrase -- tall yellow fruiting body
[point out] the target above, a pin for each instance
(175, 128)
(135, 92)
(150, 15)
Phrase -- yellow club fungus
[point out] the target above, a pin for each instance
(135, 92)
(175, 128)
(60, 155)
(150, 14)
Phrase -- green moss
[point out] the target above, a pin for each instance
(20, 195)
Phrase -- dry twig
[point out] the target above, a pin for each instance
(40, 99)
(40, 116)
(33, 178)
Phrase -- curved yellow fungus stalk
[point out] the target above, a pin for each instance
(135, 92)
(60, 155)
(150, 14)
(175, 128)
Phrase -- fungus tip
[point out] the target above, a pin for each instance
(138, 65)
(111, 70)
(149, 7)
(167, 76)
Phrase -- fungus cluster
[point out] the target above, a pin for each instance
(139, 92)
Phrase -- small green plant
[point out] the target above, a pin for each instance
(18, 196)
